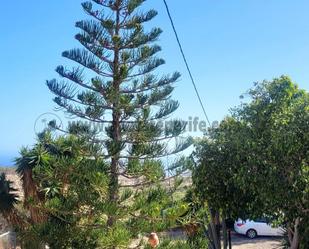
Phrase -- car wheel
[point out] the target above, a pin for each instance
(251, 233)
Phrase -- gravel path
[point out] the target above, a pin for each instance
(238, 241)
(241, 242)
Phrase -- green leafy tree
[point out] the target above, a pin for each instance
(279, 115)
(222, 157)
(256, 162)
(218, 177)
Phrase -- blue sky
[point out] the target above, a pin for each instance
(229, 45)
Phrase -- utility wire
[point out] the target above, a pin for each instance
(185, 60)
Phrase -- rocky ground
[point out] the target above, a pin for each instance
(12, 176)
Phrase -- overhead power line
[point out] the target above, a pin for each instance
(186, 62)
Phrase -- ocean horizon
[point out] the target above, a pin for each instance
(7, 161)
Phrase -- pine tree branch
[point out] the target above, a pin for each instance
(80, 114)
(95, 14)
(138, 141)
(110, 5)
(70, 76)
(138, 19)
(138, 38)
(147, 157)
(83, 58)
(95, 51)
(94, 34)
(106, 107)
(165, 81)
(148, 183)
(101, 2)
(141, 56)
(148, 68)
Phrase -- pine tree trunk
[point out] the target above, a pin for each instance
(114, 184)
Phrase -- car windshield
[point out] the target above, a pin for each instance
(263, 220)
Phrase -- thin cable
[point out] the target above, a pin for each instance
(186, 62)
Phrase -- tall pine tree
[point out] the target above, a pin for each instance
(114, 86)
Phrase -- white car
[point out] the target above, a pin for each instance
(258, 227)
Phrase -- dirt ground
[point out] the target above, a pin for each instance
(242, 242)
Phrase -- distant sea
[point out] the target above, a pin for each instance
(7, 161)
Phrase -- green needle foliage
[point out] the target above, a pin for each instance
(70, 207)
(113, 86)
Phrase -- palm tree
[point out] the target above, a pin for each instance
(28, 160)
